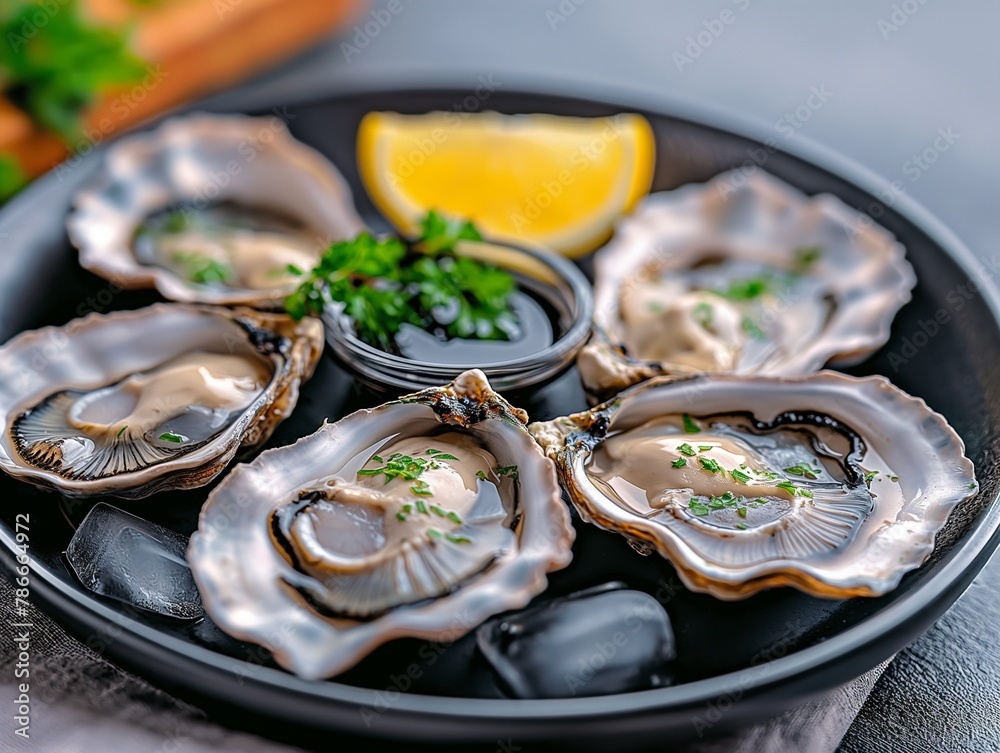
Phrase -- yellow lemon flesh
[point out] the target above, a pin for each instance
(539, 180)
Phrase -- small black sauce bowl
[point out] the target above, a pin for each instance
(546, 275)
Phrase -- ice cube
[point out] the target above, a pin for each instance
(123, 557)
(600, 641)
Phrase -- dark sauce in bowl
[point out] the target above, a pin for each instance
(553, 306)
(536, 329)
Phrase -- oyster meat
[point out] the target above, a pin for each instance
(227, 245)
(211, 209)
(741, 275)
(382, 539)
(421, 518)
(832, 484)
(131, 402)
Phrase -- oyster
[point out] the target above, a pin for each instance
(132, 402)
(211, 209)
(832, 484)
(740, 275)
(420, 518)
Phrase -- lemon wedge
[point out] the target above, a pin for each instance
(540, 180)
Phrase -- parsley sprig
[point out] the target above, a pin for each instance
(57, 72)
(384, 283)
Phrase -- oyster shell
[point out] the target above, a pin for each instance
(740, 275)
(294, 203)
(832, 484)
(132, 402)
(419, 518)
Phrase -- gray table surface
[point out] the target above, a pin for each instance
(892, 74)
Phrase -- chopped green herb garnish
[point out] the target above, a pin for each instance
(407, 508)
(294, 270)
(751, 328)
(454, 517)
(689, 424)
(421, 507)
(726, 500)
(972, 485)
(377, 458)
(748, 289)
(211, 271)
(176, 221)
(120, 432)
(203, 271)
(804, 469)
(699, 508)
(434, 533)
(457, 538)
(400, 517)
(422, 488)
(510, 471)
(870, 476)
(399, 466)
(805, 258)
(444, 456)
(704, 447)
(439, 511)
(741, 527)
(789, 487)
(679, 463)
(481, 475)
(383, 283)
(686, 449)
(171, 437)
(894, 479)
(702, 314)
(741, 511)
(739, 476)
(710, 465)
(431, 451)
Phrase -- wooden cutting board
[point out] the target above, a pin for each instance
(193, 47)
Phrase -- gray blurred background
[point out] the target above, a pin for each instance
(890, 74)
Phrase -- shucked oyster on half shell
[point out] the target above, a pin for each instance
(419, 518)
(832, 484)
(211, 209)
(742, 275)
(132, 402)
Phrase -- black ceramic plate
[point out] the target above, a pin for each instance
(738, 662)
